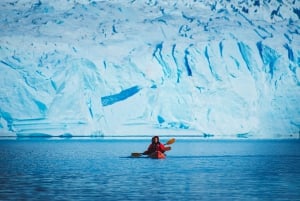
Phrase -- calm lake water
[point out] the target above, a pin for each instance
(102, 169)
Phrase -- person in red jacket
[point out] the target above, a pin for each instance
(154, 146)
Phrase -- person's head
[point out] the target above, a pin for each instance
(155, 139)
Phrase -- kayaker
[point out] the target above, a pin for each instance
(155, 146)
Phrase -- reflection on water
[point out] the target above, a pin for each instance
(193, 170)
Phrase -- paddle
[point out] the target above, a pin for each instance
(170, 141)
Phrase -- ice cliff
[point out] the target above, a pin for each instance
(143, 67)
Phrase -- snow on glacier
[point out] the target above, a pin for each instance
(116, 68)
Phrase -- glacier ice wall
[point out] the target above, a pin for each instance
(115, 68)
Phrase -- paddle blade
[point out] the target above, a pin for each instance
(136, 154)
(171, 141)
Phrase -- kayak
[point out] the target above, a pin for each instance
(157, 155)
(154, 155)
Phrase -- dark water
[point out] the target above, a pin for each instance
(101, 169)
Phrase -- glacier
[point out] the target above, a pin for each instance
(150, 67)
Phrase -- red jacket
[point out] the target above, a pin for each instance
(155, 147)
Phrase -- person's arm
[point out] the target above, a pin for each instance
(147, 151)
(162, 147)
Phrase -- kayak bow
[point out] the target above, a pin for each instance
(157, 155)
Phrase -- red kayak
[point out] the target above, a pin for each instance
(157, 155)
